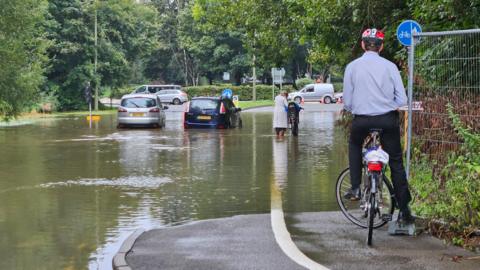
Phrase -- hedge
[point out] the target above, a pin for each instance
(303, 81)
(244, 92)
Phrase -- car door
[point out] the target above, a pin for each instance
(170, 95)
(309, 93)
(162, 94)
(322, 89)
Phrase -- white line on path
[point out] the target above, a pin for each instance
(282, 236)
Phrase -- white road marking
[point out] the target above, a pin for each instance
(282, 236)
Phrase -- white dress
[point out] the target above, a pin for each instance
(279, 113)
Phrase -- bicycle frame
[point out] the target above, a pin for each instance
(372, 198)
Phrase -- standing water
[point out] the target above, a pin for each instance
(70, 195)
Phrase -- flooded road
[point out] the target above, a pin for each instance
(70, 195)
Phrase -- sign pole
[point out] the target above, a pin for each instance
(273, 90)
(411, 54)
(90, 110)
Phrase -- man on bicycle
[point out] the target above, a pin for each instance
(373, 91)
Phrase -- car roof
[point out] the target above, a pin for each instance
(176, 85)
(140, 95)
(211, 98)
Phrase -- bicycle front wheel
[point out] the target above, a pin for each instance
(356, 211)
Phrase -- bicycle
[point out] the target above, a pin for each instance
(293, 117)
(377, 204)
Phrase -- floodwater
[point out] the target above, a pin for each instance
(70, 194)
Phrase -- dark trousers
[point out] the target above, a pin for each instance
(390, 139)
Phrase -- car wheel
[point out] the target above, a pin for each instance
(327, 100)
(177, 101)
(298, 100)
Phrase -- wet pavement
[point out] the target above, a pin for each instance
(240, 242)
(247, 242)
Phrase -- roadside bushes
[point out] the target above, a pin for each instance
(457, 199)
(338, 86)
(244, 92)
(300, 83)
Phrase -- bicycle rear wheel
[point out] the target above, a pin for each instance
(356, 211)
(372, 205)
(295, 128)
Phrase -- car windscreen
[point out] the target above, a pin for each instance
(138, 102)
(140, 89)
(203, 104)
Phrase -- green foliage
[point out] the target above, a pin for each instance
(126, 36)
(458, 201)
(300, 83)
(244, 92)
(22, 54)
(338, 87)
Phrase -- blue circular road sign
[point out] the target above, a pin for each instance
(227, 93)
(404, 32)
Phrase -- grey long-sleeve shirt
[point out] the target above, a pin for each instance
(372, 86)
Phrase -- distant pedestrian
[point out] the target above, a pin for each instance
(280, 122)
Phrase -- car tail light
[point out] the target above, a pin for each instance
(222, 108)
(120, 109)
(220, 126)
(155, 110)
(375, 166)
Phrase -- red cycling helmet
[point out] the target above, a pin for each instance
(373, 34)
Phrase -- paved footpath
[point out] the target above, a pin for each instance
(247, 242)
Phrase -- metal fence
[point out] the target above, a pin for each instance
(446, 70)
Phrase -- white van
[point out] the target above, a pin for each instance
(314, 92)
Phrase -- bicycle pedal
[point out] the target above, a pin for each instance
(387, 217)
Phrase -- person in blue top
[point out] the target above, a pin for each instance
(373, 91)
(230, 109)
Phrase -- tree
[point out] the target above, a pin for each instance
(22, 54)
(127, 37)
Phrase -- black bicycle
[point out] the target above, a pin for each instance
(293, 117)
(377, 203)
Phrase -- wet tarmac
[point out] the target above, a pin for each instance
(247, 242)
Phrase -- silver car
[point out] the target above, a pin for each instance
(154, 88)
(173, 96)
(141, 110)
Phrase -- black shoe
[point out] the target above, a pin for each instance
(352, 194)
(405, 216)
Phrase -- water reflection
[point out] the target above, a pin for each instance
(280, 162)
(135, 152)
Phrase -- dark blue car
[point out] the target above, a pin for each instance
(212, 112)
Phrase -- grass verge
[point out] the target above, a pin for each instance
(252, 104)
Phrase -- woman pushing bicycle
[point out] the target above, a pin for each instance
(373, 91)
